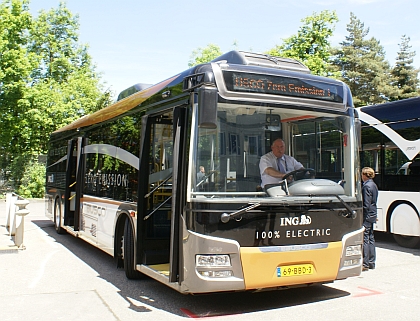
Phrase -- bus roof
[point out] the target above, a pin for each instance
(141, 92)
(391, 117)
(396, 111)
(262, 60)
(118, 108)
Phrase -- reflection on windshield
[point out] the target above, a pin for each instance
(227, 158)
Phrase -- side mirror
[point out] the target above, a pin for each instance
(207, 107)
(358, 129)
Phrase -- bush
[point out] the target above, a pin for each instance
(33, 181)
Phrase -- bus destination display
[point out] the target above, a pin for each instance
(285, 86)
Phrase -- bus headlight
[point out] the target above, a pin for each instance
(212, 260)
(353, 250)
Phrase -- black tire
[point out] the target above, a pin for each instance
(128, 253)
(57, 218)
(411, 242)
(119, 243)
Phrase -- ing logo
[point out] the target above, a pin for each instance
(293, 221)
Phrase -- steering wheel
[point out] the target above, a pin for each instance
(300, 174)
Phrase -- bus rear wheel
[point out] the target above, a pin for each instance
(57, 218)
(411, 242)
(128, 252)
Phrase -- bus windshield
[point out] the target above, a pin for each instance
(225, 160)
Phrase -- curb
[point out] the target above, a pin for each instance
(8, 249)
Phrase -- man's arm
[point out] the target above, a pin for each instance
(274, 173)
(266, 167)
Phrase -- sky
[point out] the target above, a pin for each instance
(139, 41)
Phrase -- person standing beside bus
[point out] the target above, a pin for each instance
(370, 214)
(275, 164)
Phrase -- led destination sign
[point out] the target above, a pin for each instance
(283, 86)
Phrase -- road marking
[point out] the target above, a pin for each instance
(366, 292)
(189, 314)
(41, 270)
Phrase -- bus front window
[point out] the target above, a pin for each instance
(226, 159)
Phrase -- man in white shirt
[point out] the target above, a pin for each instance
(275, 164)
(201, 175)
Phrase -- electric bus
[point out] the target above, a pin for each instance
(125, 178)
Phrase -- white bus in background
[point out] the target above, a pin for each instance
(391, 145)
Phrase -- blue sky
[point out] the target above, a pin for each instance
(139, 41)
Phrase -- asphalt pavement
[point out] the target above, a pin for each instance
(59, 277)
(43, 280)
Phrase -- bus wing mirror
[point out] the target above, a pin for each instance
(207, 107)
(358, 129)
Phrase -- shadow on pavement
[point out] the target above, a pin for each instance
(386, 241)
(141, 294)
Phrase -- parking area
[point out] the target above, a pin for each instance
(61, 277)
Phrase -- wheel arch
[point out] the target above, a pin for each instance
(389, 226)
(120, 221)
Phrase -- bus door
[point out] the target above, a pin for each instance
(161, 163)
(74, 181)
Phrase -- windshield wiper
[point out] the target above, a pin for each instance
(351, 213)
(157, 208)
(159, 186)
(226, 217)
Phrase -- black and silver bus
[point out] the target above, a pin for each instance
(125, 178)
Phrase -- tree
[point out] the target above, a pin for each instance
(311, 44)
(363, 66)
(405, 75)
(203, 55)
(16, 65)
(47, 80)
(33, 180)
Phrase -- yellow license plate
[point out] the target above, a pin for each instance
(293, 270)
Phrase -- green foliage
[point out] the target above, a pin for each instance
(311, 44)
(16, 65)
(204, 55)
(54, 40)
(405, 75)
(363, 65)
(33, 181)
(47, 80)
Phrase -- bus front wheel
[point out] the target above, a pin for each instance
(128, 252)
(405, 226)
